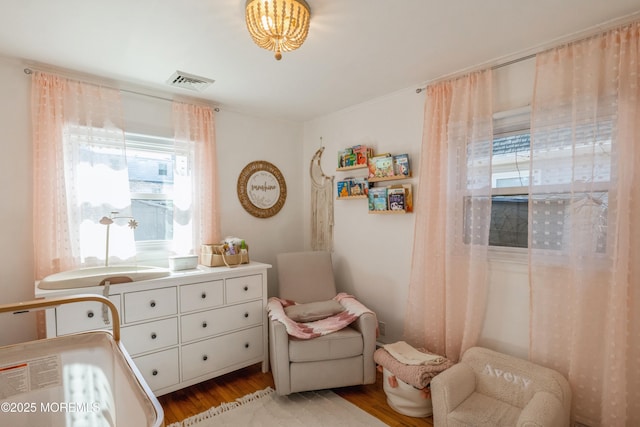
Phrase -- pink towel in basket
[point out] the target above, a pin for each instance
(418, 376)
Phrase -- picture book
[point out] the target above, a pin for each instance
(381, 166)
(401, 165)
(396, 198)
(408, 198)
(378, 199)
(359, 187)
(344, 188)
(384, 166)
(346, 158)
(362, 154)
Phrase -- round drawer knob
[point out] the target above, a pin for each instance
(154, 372)
(246, 345)
(205, 357)
(204, 324)
(154, 336)
(246, 288)
(246, 315)
(90, 314)
(204, 295)
(153, 304)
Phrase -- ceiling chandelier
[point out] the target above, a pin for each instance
(278, 25)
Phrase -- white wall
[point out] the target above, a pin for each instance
(16, 243)
(372, 253)
(240, 140)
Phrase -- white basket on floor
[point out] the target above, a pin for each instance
(405, 398)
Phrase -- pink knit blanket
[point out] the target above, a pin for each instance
(418, 376)
(353, 310)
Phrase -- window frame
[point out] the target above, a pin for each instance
(506, 123)
(515, 122)
(153, 252)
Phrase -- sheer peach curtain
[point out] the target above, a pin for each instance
(66, 211)
(195, 132)
(584, 214)
(447, 290)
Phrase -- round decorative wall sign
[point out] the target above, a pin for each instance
(261, 189)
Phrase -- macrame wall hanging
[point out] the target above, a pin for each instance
(321, 205)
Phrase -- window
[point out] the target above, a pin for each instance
(150, 163)
(142, 177)
(509, 158)
(510, 181)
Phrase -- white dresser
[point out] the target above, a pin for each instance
(182, 329)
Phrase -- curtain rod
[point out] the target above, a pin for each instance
(568, 39)
(495, 67)
(28, 71)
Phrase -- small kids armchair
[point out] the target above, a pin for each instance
(338, 359)
(488, 388)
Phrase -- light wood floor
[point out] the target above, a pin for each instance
(200, 397)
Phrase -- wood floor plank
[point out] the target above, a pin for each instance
(192, 400)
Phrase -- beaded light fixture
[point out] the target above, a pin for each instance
(278, 25)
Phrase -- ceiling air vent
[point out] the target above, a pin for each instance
(189, 81)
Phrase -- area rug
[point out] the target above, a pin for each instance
(266, 408)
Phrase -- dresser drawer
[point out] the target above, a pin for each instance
(151, 304)
(201, 296)
(213, 322)
(243, 288)
(150, 336)
(160, 369)
(83, 316)
(203, 357)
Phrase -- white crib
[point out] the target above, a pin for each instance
(80, 380)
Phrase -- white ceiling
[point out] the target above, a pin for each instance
(356, 50)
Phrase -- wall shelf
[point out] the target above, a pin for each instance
(389, 178)
(352, 197)
(350, 168)
(388, 212)
(393, 199)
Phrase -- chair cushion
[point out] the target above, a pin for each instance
(481, 410)
(313, 311)
(305, 276)
(344, 343)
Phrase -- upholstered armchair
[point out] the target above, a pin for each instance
(488, 388)
(338, 359)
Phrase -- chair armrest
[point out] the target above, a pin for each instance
(367, 325)
(543, 410)
(449, 389)
(279, 355)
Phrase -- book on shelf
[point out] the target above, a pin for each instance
(344, 188)
(401, 165)
(381, 166)
(346, 158)
(396, 198)
(378, 199)
(408, 197)
(354, 156)
(362, 153)
(359, 187)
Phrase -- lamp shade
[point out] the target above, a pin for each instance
(278, 25)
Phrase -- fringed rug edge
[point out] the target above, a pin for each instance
(223, 407)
